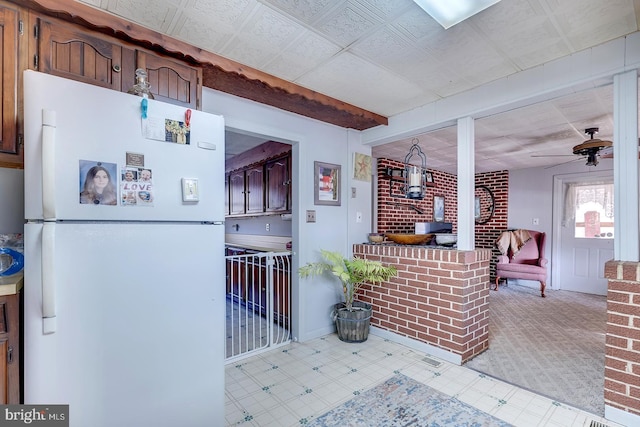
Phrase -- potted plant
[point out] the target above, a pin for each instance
(351, 317)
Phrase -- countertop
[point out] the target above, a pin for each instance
(10, 285)
(258, 242)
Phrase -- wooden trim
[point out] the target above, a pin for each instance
(218, 72)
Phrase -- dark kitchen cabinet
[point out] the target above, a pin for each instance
(76, 53)
(246, 191)
(254, 187)
(171, 81)
(236, 193)
(10, 348)
(277, 185)
(13, 54)
(71, 52)
(263, 188)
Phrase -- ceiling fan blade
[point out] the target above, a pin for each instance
(552, 155)
(564, 163)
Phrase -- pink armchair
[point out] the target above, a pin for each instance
(528, 263)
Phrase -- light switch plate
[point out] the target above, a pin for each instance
(190, 191)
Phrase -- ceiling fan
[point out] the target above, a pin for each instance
(591, 148)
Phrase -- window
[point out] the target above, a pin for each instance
(590, 206)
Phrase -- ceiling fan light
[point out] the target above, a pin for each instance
(592, 158)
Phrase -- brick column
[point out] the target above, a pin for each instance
(622, 359)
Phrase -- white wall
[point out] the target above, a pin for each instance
(335, 227)
(11, 200)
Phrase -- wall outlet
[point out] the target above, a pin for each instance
(266, 226)
(311, 216)
(358, 216)
(536, 221)
(353, 192)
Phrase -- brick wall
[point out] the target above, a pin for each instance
(622, 356)
(395, 217)
(439, 297)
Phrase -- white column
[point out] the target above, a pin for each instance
(625, 166)
(466, 183)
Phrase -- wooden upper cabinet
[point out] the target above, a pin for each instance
(13, 56)
(76, 53)
(255, 189)
(68, 51)
(277, 185)
(236, 193)
(171, 81)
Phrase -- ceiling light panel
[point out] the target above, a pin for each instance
(450, 12)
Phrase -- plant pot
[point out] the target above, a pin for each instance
(353, 326)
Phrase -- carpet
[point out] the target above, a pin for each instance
(554, 346)
(402, 401)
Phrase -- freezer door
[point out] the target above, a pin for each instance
(139, 324)
(72, 126)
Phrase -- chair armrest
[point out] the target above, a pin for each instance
(503, 259)
(542, 262)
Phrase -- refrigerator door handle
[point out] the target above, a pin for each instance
(48, 279)
(48, 163)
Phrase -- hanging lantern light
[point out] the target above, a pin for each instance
(415, 176)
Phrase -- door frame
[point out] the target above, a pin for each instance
(558, 206)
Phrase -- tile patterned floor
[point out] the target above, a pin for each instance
(293, 384)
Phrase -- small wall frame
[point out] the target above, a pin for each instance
(326, 187)
(438, 208)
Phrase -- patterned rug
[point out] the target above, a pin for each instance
(554, 346)
(402, 401)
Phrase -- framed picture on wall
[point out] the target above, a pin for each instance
(326, 187)
(438, 208)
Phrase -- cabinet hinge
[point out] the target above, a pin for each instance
(35, 62)
(36, 31)
(20, 27)
(10, 355)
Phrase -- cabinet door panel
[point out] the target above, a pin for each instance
(8, 89)
(68, 52)
(277, 185)
(255, 190)
(236, 193)
(171, 81)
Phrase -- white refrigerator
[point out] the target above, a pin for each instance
(124, 311)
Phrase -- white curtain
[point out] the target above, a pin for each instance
(579, 193)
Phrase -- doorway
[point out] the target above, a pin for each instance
(583, 229)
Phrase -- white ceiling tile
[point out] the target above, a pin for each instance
(386, 9)
(304, 54)
(307, 11)
(389, 88)
(147, 12)
(347, 23)
(590, 22)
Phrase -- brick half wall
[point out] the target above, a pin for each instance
(439, 297)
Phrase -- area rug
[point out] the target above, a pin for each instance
(402, 401)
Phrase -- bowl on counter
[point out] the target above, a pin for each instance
(375, 237)
(409, 238)
(445, 239)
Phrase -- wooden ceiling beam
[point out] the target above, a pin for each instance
(219, 73)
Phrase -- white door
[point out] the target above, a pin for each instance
(585, 232)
